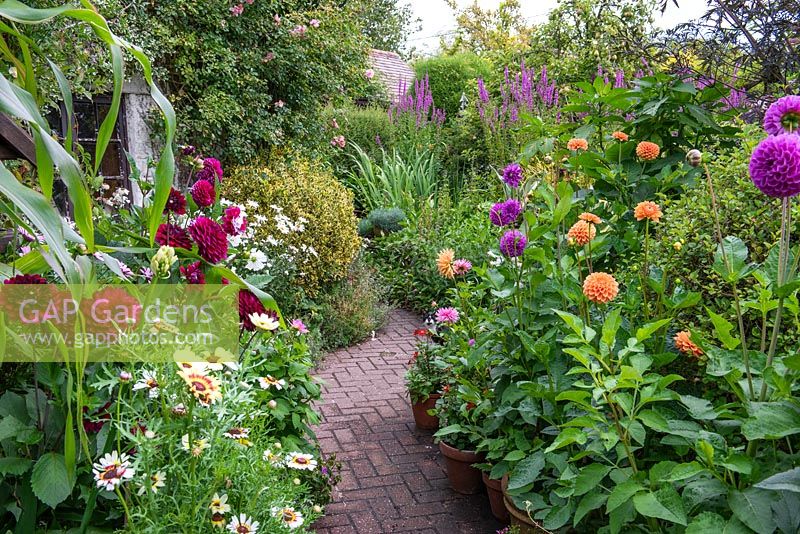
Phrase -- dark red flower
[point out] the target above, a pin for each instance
(203, 193)
(26, 279)
(421, 332)
(211, 171)
(93, 424)
(211, 239)
(193, 273)
(174, 236)
(176, 203)
(233, 222)
(248, 305)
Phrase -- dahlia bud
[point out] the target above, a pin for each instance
(277, 445)
(125, 376)
(317, 509)
(694, 157)
(149, 434)
(272, 404)
(296, 481)
(163, 260)
(677, 245)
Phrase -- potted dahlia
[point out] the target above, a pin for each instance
(424, 379)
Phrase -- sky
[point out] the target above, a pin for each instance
(437, 17)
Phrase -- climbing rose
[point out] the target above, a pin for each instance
(237, 10)
(211, 171)
(582, 232)
(783, 116)
(212, 242)
(193, 273)
(505, 213)
(173, 236)
(369, 74)
(775, 166)
(620, 136)
(513, 243)
(444, 263)
(447, 315)
(176, 203)
(25, 279)
(233, 221)
(647, 210)
(600, 287)
(685, 344)
(249, 304)
(577, 144)
(647, 151)
(512, 175)
(203, 193)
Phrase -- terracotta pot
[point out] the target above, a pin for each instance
(421, 417)
(495, 491)
(462, 476)
(521, 520)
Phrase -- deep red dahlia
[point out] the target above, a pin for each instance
(193, 273)
(174, 236)
(211, 171)
(203, 193)
(249, 304)
(233, 222)
(176, 203)
(26, 279)
(211, 239)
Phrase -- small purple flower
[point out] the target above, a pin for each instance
(447, 315)
(512, 175)
(775, 166)
(298, 325)
(505, 213)
(471, 342)
(146, 273)
(513, 243)
(783, 116)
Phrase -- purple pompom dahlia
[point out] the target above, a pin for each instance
(211, 239)
(513, 243)
(505, 213)
(775, 166)
(783, 116)
(512, 175)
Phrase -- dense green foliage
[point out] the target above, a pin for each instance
(451, 77)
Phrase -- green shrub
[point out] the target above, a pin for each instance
(303, 191)
(452, 76)
(387, 220)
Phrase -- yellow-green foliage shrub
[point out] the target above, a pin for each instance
(304, 189)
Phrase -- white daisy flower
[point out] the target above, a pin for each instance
(269, 381)
(237, 433)
(112, 470)
(264, 321)
(219, 504)
(243, 525)
(148, 382)
(156, 480)
(289, 516)
(299, 460)
(272, 458)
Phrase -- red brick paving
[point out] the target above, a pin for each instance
(393, 479)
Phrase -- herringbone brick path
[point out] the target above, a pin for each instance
(393, 479)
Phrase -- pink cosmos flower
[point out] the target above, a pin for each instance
(298, 325)
(237, 10)
(447, 315)
(299, 30)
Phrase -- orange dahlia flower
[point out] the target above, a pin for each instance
(444, 263)
(647, 151)
(576, 143)
(582, 232)
(620, 136)
(686, 345)
(590, 217)
(647, 210)
(600, 288)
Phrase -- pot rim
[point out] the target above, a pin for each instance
(458, 454)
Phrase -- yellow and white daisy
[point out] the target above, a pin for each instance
(220, 359)
(149, 383)
(299, 460)
(204, 387)
(270, 381)
(112, 470)
(219, 504)
(272, 458)
(264, 321)
(197, 446)
(243, 525)
(156, 480)
(237, 433)
(218, 519)
(289, 517)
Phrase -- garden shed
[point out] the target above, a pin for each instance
(392, 72)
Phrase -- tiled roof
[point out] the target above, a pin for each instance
(391, 71)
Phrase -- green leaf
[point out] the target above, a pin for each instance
(771, 420)
(526, 472)
(591, 501)
(705, 523)
(786, 481)
(654, 420)
(10, 426)
(567, 437)
(14, 466)
(450, 429)
(611, 326)
(699, 408)
(684, 471)
(564, 191)
(622, 493)
(723, 330)
(753, 508)
(650, 328)
(589, 477)
(50, 481)
(738, 463)
(110, 121)
(662, 504)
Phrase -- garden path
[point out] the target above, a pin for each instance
(393, 479)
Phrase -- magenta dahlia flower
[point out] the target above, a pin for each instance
(203, 193)
(775, 166)
(783, 116)
(248, 305)
(22, 279)
(447, 315)
(173, 236)
(512, 175)
(505, 213)
(233, 221)
(194, 273)
(211, 171)
(176, 203)
(211, 239)
(461, 267)
(513, 243)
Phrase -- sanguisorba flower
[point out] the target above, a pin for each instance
(590, 217)
(513, 243)
(270, 381)
(205, 388)
(620, 136)
(600, 287)
(647, 151)
(289, 517)
(211, 239)
(685, 344)
(219, 504)
(775, 166)
(447, 315)
(461, 267)
(576, 143)
(512, 175)
(444, 263)
(647, 210)
(506, 212)
(582, 232)
(299, 460)
(783, 116)
(112, 470)
(242, 524)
